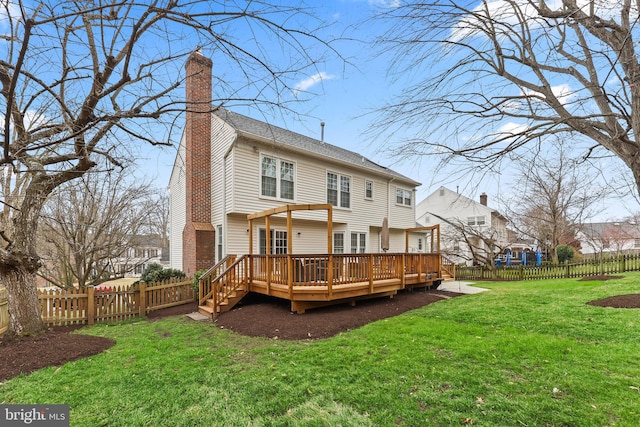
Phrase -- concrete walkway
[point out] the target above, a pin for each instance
(461, 287)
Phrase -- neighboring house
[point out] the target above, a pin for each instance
(472, 232)
(229, 166)
(143, 251)
(609, 237)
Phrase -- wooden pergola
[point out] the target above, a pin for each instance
(430, 228)
(289, 209)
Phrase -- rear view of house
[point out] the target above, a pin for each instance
(229, 166)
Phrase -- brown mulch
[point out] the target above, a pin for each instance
(256, 315)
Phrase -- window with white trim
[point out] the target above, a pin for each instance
(403, 197)
(338, 243)
(339, 190)
(277, 178)
(219, 245)
(476, 220)
(358, 243)
(277, 241)
(368, 189)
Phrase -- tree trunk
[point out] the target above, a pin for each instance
(22, 298)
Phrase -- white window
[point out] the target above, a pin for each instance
(277, 178)
(338, 243)
(277, 241)
(358, 243)
(403, 197)
(368, 189)
(219, 239)
(476, 220)
(339, 190)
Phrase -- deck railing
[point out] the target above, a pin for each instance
(339, 269)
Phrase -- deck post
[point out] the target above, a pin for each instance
(403, 270)
(290, 275)
(267, 222)
(330, 276)
(370, 273)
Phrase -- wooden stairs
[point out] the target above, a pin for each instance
(211, 309)
(223, 286)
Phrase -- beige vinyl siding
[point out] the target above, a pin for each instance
(243, 198)
(222, 137)
(312, 238)
(401, 216)
(177, 210)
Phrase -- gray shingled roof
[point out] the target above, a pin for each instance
(298, 141)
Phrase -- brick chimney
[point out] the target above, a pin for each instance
(198, 236)
(483, 199)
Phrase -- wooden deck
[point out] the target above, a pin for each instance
(310, 281)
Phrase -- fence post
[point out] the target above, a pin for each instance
(143, 298)
(91, 305)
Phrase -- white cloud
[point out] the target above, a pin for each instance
(511, 13)
(563, 92)
(512, 129)
(8, 9)
(309, 82)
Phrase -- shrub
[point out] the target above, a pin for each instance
(155, 273)
(196, 278)
(565, 253)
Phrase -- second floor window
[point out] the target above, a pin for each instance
(368, 189)
(476, 220)
(277, 178)
(338, 190)
(403, 197)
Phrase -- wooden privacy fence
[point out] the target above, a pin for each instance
(111, 304)
(613, 265)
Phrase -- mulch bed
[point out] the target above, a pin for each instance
(256, 315)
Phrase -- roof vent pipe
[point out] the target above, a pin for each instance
(321, 131)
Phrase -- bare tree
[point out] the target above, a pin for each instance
(84, 80)
(492, 76)
(553, 197)
(158, 217)
(481, 245)
(89, 225)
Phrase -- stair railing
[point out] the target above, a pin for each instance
(205, 282)
(449, 267)
(226, 283)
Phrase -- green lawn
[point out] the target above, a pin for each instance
(524, 354)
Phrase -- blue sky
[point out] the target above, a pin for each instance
(343, 94)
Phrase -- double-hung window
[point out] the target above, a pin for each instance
(338, 243)
(368, 190)
(403, 197)
(358, 243)
(277, 178)
(339, 190)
